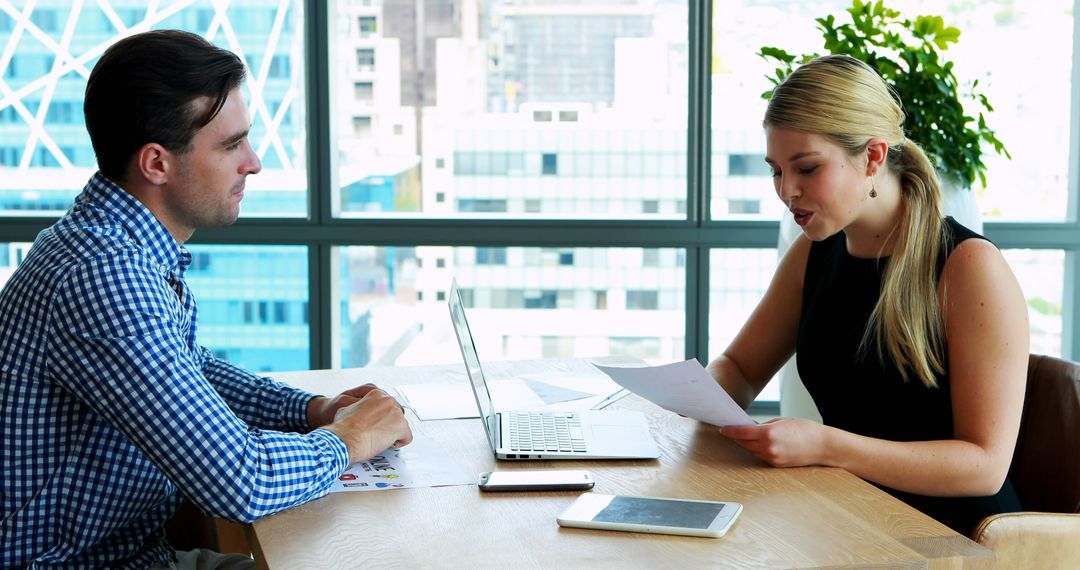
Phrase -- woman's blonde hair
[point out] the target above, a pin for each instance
(844, 99)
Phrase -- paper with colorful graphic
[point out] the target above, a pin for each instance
(423, 463)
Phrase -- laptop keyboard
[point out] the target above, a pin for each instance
(544, 431)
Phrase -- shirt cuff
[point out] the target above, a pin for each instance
(331, 445)
(294, 409)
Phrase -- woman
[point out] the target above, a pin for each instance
(910, 331)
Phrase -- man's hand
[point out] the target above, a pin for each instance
(369, 424)
(321, 410)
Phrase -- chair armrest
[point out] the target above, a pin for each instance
(1031, 539)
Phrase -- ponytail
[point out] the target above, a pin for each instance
(906, 322)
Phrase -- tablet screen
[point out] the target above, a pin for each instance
(660, 512)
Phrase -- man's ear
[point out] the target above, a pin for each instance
(877, 152)
(154, 163)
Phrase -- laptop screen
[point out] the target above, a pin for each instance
(472, 362)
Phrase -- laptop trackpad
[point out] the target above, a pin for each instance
(613, 431)
(621, 441)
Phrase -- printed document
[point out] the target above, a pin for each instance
(681, 387)
(419, 464)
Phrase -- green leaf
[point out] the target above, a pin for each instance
(949, 35)
(776, 53)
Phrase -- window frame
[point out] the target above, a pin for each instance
(321, 231)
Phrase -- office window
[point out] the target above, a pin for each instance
(737, 281)
(642, 300)
(737, 206)
(265, 281)
(363, 91)
(550, 165)
(365, 59)
(361, 126)
(365, 25)
(615, 87)
(622, 66)
(1041, 273)
(1032, 110)
(389, 323)
(646, 348)
(557, 347)
(491, 256)
(45, 19)
(60, 158)
(481, 205)
(280, 66)
(748, 165)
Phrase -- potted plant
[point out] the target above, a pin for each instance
(907, 54)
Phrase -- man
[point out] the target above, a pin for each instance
(110, 413)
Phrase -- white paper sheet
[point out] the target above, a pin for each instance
(546, 391)
(422, 463)
(684, 388)
(438, 401)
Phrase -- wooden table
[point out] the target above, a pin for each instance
(809, 517)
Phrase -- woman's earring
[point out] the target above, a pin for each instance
(873, 189)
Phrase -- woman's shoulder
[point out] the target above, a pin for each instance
(972, 260)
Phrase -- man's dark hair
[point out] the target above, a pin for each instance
(143, 90)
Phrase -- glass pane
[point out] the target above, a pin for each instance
(510, 108)
(738, 279)
(253, 304)
(523, 303)
(1041, 273)
(45, 152)
(1032, 113)
(11, 255)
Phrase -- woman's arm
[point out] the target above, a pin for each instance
(986, 328)
(767, 339)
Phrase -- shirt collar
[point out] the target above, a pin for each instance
(136, 219)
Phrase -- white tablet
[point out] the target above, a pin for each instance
(651, 514)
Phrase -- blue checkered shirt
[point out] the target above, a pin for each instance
(110, 413)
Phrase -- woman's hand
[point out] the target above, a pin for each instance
(782, 442)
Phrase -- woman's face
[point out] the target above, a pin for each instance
(823, 186)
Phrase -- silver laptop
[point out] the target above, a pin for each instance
(592, 434)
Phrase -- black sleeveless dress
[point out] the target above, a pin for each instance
(856, 392)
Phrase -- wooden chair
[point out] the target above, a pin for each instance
(1046, 474)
